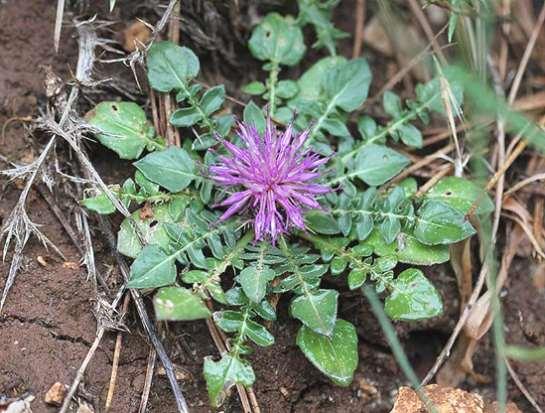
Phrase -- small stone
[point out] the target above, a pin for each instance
(445, 399)
(367, 388)
(55, 395)
(72, 265)
(41, 260)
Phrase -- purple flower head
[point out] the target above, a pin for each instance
(272, 176)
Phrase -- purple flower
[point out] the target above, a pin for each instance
(272, 176)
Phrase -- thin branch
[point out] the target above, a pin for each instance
(58, 24)
(152, 356)
(360, 23)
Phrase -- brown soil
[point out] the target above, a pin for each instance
(48, 325)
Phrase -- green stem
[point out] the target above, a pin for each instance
(156, 145)
(195, 105)
(235, 348)
(356, 262)
(273, 79)
(390, 128)
(330, 107)
(226, 261)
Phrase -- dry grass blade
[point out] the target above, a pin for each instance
(360, 22)
(526, 57)
(522, 387)
(58, 24)
(115, 361)
(152, 356)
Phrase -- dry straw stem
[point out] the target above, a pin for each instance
(359, 24)
(115, 361)
(152, 357)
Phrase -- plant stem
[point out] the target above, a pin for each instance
(195, 105)
(273, 79)
(391, 127)
(356, 262)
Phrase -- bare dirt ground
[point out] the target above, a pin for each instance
(47, 325)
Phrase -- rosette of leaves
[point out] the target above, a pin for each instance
(172, 68)
(366, 228)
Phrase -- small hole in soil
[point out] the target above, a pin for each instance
(422, 348)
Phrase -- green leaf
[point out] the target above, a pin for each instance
(179, 304)
(128, 241)
(413, 297)
(253, 115)
(123, 128)
(336, 357)
(376, 164)
(407, 249)
(286, 89)
(277, 39)
(283, 115)
(100, 204)
(171, 168)
(152, 269)
(254, 280)
(258, 334)
(223, 374)
(254, 88)
(229, 321)
(461, 194)
(348, 84)
(338, 265)
(439, 223)
(321, 222)
(335, 127)
(212, 99)
(356, 278)
(182, 118)
(392, 104)
(312, 82)
(171, 66)
(317, 310)
(411, 135)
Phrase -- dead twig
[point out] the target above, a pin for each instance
(360, 23)
(526, 56)
(58, 24)
(522, 387)
(115, 361)
(423, 21)
(152, 356)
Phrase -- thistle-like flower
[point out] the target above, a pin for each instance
(272, 176)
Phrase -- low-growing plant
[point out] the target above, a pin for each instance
(282, 202)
